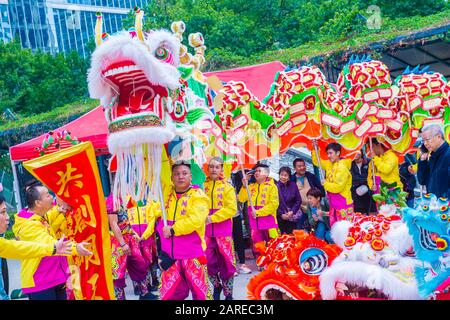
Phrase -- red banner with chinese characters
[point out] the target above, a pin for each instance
(72, 174)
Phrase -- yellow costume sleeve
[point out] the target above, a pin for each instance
(229, 207)
(386, 164)
(341, 176)
(370, 176)
(243, 196)
(36, 232)
(152, 212)
(197, 213)
(270, 208)
(33, 231)
(18, 250)
(56, 219)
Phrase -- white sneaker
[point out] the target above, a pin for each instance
(244, 269)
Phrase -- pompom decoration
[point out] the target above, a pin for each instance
(53, 142)
(377, 244)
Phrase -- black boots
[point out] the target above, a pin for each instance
(216, 293)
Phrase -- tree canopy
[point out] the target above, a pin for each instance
(32, 83)
(237, 29)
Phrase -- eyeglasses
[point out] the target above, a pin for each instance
(428, 139)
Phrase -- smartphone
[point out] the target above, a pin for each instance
(423, 149)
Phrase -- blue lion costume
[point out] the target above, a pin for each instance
(429, 226)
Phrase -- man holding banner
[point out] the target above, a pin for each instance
(42, 278)
(72, 175)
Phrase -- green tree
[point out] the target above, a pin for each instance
(408, 8)
(32, 83)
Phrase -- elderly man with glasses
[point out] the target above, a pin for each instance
(434, 166)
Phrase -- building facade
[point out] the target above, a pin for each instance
(60, 25)
(5, 23)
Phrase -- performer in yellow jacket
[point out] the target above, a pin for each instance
(264, 195)
(56, 218)
(20, 250)
(337, 183)
(182, 256)
(386, 167)
(42, 279)
(219, 230)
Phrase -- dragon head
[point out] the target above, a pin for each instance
(147, 99)
(292, 265)
(429, 226)
(135, 76)
(374, 263)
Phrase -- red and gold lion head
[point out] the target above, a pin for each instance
(292, 265)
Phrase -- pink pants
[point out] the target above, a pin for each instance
(183, 276)
(340, 214)
(221, 262)
(148, 249)
(136, 264)
(339, 209)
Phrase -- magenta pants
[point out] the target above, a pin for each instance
(220, 257)
(339, 209)
(135, 263)
(184, 276)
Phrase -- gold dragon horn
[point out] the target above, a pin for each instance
(138, 23)
(98, 29)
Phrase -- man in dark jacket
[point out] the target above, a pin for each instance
(301, 173)
(434, 170)
(305, 181)
(362, 196)
(408, 179)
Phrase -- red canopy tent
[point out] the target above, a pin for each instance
(92, 126)
(258, 78)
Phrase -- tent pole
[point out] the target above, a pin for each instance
(16, 186)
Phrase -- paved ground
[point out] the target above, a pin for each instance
(240, 282)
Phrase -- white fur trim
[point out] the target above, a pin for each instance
(123, 140)
(122, 46)
(398, 237)
(137, 177)
(339, 232)
(371, 276)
